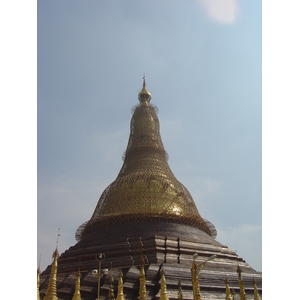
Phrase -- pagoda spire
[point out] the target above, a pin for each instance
(195, 281)
(241, 284)
(144, 95)
(77, 295)
(256, 294)
(228, 293)
(163, 287)
(233, 294)
(180, 297)
(111, 294)
(120, 295)
(51, 290)
(38, 284)
(142, 291)
(145, 187)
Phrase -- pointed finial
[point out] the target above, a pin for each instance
(77, 295)
(163, 287)
(51, 290)
(111, 294)
(180, 297)
(228, 293)
(120, 295)
(233, 294)
(195, 279)
(144, 95)
(256, 294)
(38, 283)
(58, 235)
(241, 284)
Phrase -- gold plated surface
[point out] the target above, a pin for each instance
(163, 287)
(51, 290)
(145, 188)
(77, 295)
(243, 295)
(144, 95)
(38, 284)
(111, 294)
(120, 295)
(228, 293)
(195, 282)
(180, 297)
(256, 294)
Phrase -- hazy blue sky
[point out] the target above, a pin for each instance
(203, 66)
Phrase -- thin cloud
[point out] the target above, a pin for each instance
(221, 11)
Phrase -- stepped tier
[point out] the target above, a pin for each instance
(164, 245)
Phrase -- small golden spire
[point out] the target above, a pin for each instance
(120, 295)
(142, 291)
(111, 294)
(144, 95)
(180, 297)
(51, 290)
(256, 294)
(163, 287)
(228, 293)
(38, 284)
(195, 282)
(241, 284)
(77, 295)
(233, 294)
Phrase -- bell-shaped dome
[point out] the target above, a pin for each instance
(145, 189)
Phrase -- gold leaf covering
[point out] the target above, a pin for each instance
(146, 188)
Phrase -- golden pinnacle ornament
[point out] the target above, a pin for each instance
(256, 294)
(77, 295)
(163, 287)
(51, 290)
(241, 284)
(228, 293)
(120, 295)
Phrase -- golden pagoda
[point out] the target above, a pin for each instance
(233, 294)
(77, 295)
(195, 282)
(147, 207)
(228, 293)
(51, 290)
(111, 295)
(163, 287)
(256, 294)
(180, 297)
(38, 284)
(243, 295)
(146, 181)
(120, 295)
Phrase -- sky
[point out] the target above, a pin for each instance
(203, 66)
(66, 99)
